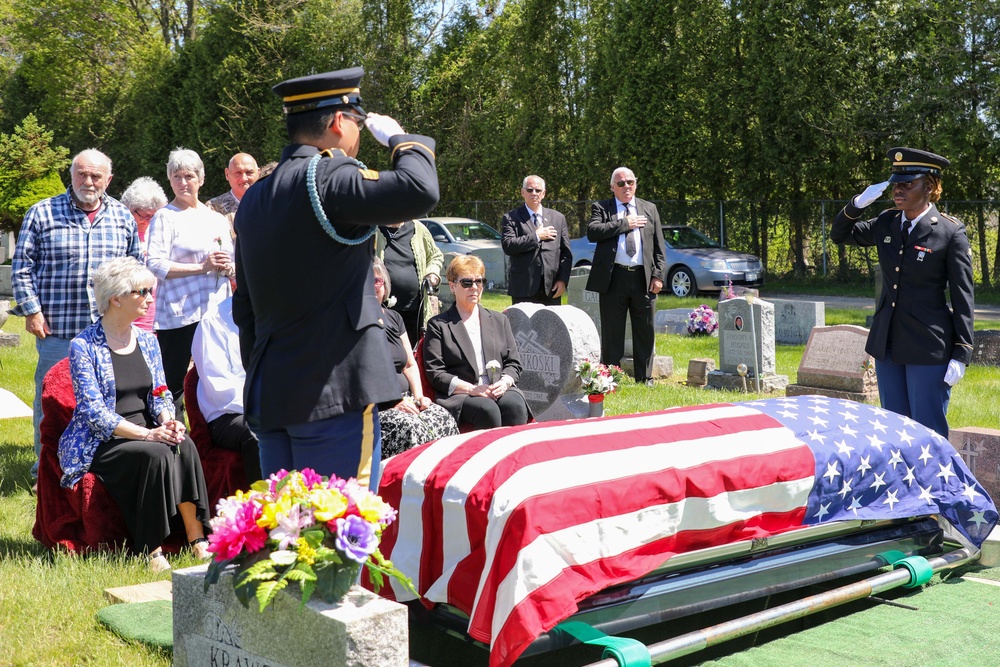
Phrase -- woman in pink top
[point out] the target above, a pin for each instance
(143, 198)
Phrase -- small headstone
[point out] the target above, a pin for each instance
(213, 628)
(154, 590)
(698, 370)
(980, 450)
(987, 347)
(4, 307)
(672, 321)
(6, 286)
(746, 337)
(663, 366)
(835, 364)
(589, 302)
(495, 262)
(9, 339)
(551, 340)
(793, 320)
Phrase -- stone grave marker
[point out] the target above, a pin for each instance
(7, 339)
(213, 628)
(746, 336)
(672, 321)
(496, 263)
(835, 364)
(698, 370)
(980, 449)
(987, 347)
(550, 341)
(793, 320)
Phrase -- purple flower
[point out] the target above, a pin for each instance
(356, 538)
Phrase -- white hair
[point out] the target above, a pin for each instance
(93, 155)
(144, 193)
(118, 277)
(524, 183)
(619, 170)
(185, 159)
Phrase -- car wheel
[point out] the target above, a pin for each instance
(580, 263)
(682, 282)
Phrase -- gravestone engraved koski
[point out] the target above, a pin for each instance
(550, 341)
(835, 364)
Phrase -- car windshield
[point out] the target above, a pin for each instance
(472, 231)
(683, 238)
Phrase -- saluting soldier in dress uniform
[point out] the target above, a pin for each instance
(921, 346)
(311, 333)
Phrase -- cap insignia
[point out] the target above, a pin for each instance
(899, 156)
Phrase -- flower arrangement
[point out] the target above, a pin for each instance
(702, 321)
(598, 378)
(300, 526)
(727, 292)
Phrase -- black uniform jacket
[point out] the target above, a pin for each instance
(448, 353)
(604, 228)
(534, 263)
(912, 316)
(310, 326)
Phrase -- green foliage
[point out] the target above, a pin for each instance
(29, 170)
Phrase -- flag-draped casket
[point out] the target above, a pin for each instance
(514, 526)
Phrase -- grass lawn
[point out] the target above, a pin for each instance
(48, 601)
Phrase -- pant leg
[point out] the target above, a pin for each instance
(348, 445)
(481, 412)
(613, 305)
(641, 307)
(892, 389)
(175, 349)
(230, 431)
(928, 396)
(513, 409)
(51, 350)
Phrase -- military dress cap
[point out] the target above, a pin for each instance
(910, 163)
(318, 91)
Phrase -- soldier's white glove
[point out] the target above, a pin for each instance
(382, 127)
(871, 193)
(956, 369)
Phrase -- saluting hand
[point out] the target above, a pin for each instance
(871, 193)
(382, 127)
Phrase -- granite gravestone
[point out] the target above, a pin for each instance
(793, 320)
(673, 321)
(551, 340)
(212, 628)
(7, 339)
(835, 364)
(746, 336)
(980, 449)
(987, 347)
(496, 263)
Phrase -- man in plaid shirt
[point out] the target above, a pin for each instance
(62, 241)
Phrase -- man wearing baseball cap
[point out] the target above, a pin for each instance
(921, 346)
(311, 330)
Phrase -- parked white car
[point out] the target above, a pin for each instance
(466, 236)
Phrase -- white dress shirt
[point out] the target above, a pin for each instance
(621, 255)
(216, 353)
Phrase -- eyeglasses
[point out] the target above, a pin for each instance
(622, 184)
(534, 190)
(379, 282)
(908, 185)
(356, 117)
(469, 282)
(140, 214)
(143, 292)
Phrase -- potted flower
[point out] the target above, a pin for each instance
(702, 321)
(598, 380)
(301, 527)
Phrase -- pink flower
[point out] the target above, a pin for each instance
(233, 535)
(311, 477)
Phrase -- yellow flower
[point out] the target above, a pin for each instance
(372, 508)
(270, 512)
(306, 553)
(328, 504)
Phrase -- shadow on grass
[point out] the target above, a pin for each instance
(15, 468)
(26, 548)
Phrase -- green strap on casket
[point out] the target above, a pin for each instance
(920, 570)
(891, 557)
(626, 652)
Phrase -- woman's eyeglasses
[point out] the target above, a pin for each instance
(469, 282)
(379, 282)
(143, 292)
(622, 184)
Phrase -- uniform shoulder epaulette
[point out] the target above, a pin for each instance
(950, 217)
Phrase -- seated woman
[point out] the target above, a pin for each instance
(414, 420)
(470, 356)
(123, 428)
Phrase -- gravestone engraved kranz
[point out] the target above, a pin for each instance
(550, 341)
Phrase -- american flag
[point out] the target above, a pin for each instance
(514, 526)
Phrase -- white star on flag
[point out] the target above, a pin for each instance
(873, 441)
(844, 448)
(865, 465)
(845, 489)
(850, 416)
(909, 479)
(854, 506)
(823, 511)
(925, 494)
(897, 458)
(970, 491)
(818, 421)
(878, 426)
(890, 498)
(831, 470)
(925, 454)
(946, 472)
(848, 430)
(905, 437)
(879, 481)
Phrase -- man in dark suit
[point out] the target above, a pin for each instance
(921, 346)
(537, 241)
(311, 329)
(627, 271)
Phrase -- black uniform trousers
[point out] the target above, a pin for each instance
(628, 293)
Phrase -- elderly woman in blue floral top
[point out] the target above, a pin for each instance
(123, 428)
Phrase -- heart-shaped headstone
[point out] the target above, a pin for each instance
(550, 341)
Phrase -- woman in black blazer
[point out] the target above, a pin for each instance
(470, 356)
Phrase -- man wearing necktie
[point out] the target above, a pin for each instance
(921, 346)
(627, 271)
(537, 241)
